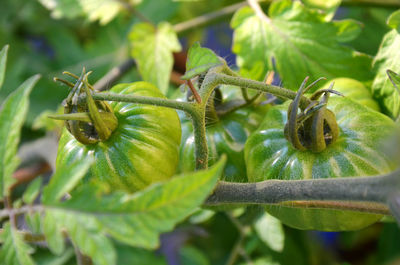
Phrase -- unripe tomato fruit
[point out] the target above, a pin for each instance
(356, 152)
(142, 150)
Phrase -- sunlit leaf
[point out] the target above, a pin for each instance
(394, 20)
(152, 49)
(387, 59)
(199, 61)
(138, 219)
(327, 6)
(271, 232)
(298, 43)
(12, 117)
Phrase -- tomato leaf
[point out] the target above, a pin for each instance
(394, 20)
(271, 232)
(199, 61)
(138, 219)
(85, 233)
(298, 42)
(12, 117)
(65, 179)
(3, 62)
(152, 49)
(53, 233)
(14, 251)
(387, 57)
(327, 6)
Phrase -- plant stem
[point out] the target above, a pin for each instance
(161, 102)
(114, 75)
(200, 139)
(206, 18)
(252, 84)
(377, 189)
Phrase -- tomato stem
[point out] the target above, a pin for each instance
(200, 140)
(161, 102)
(256, 85)
(347, 193)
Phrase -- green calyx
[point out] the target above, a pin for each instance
(315, 127)
(88, 121)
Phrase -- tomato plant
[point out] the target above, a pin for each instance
(234, 171)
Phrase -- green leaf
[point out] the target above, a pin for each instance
(85, 233)
(394, 20)
(12, 117)
(347, 29)
(65, 179)
(299, 42)
(52, 232)
(271, 232)
(33, 220)
(138, 219)
(152, 49)
(3, 62)
(199, 60)
(327, 6)
(388, 57)
(32, 191)
(46, 258)
(14, 251)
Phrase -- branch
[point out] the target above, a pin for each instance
(339, 193)
(206, 18)
(252, 84)
(114, 75)
(162, 102)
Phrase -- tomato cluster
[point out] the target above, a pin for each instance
(261, 143)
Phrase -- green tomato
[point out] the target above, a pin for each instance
(225, 136)
(142, 150)
(357, 152)
(355, 90)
